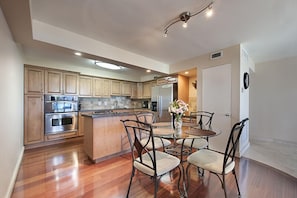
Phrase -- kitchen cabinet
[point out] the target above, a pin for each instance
(126, 88)
(80, 124)
(105, 137)
(53, 82)
(121, 88)
(139, 90)
(116, 87)
(34, 80)
(134, 91)
(71, 83)
(147, 88)
(59, 82)
(85, 86)
(101, 87)
(34, 119)
(59, 136)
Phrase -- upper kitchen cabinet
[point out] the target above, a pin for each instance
(34, 80)
(85, 86)
(121, 88)
(116, 87)
(101, 87)
(126, 88)
(134, 91)
(71, 83)
(59, 82)
(139, 90)
(147, 88)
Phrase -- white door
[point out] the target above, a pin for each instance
(216, 97)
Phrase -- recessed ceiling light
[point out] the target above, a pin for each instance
(186, 72)
(77, 53)
(148, 70)
(108, 65)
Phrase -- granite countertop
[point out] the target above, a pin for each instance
(111, 112)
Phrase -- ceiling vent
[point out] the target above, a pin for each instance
(216, 55)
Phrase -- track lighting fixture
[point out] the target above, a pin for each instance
(185, 16)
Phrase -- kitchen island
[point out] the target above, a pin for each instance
(104, 134)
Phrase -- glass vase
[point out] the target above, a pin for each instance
(178, 123)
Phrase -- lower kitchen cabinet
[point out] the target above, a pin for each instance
(34, 119)
(80, 124)
(105, 137)
(61, 136)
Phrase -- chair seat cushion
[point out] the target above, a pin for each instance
(210, 160)
(199, 143)
(164, 163)
(158, 143)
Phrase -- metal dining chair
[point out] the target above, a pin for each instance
(216, 162)
(151, 162)
(200, 118)
(149, 117)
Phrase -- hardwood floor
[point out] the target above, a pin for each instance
(65, 171)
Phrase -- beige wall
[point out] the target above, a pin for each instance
(11, 105)
(192, 95)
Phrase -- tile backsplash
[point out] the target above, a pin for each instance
(114, 102)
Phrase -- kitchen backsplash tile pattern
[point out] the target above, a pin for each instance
(114, 102)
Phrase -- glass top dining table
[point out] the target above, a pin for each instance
(188, 131)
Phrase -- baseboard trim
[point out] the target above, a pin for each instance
(15, 174)
(269, 140)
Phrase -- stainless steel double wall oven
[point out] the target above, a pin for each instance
(61, 113)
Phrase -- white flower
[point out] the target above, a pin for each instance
(178, 107)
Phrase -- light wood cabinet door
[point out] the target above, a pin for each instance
(34, 119)
(126, 89)
(146, 90)
(85, 86)
(116, 88)
(101, 87)
(139, 90)
(59, 82)
(134, 90)
(34, 80)
(71, 83)
(53, 82)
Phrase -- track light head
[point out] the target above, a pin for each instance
(185, 16)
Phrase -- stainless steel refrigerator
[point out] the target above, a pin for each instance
(161, 97)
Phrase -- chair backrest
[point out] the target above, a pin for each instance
(147, 117)
(233, 142)
(133, 128)
(202, 117)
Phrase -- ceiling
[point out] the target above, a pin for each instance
(267, 28)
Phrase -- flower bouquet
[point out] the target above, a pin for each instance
(178, 108)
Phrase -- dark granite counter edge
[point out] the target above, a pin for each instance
(120, 109)
(110, 113)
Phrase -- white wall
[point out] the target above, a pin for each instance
(273, 101)
(11, 105)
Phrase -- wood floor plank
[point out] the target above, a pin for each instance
(65, 171)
